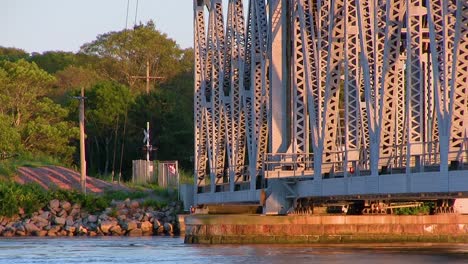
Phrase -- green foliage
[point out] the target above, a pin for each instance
(32, 197)
(106, 106)
(47, 132)
(53, 61)
(122, 195)
(125, 53)
(13, 196)
(31, 88)
(10, 138)
(73, 78)
(12, 54)
(420, 210)
(155, 204)
(90, 202)
(22, 84)
(106, 102)
(185, 177)
(31, 122)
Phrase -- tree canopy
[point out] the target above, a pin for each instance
(30, 120)
(38, 112)
(124, 54)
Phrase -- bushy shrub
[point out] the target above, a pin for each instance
(32, 197)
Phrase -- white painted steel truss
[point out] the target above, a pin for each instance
(328, 89)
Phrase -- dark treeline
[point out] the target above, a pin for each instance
(39, 116)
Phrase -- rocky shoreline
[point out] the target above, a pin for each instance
(61, 218)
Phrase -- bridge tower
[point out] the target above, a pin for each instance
(330, 98)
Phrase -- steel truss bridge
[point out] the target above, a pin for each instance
(318, 99)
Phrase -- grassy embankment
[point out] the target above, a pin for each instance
(32, 197)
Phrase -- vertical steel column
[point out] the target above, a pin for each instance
(233, 86)
(415, 79)
(388, 94)
(459, 83)
(300, 71)
(215, 111)
(332, 83)
(440, 20)
(256, 83)
(352, 96)
(200, 133)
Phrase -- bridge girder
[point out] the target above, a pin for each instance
(316, 87)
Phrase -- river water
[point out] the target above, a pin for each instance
(173, 250)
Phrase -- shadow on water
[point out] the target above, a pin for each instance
(173, 250)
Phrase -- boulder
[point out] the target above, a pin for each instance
(106, 225)
(168, 228)
(147, 227)
(66, 206)
(55, 228)
(54, 205)
(45, 215)
(92, 218)
(60, 221)
(51, 233)
(20, 233)
(103, 216)
(82, 230)
(75, 212)
(69, 221)
(41, 233)
(130, 225)
(127, 202)
(70, 229)
(122, 211)
(135, 232)
(62, 213)
(134, 204)
(31, 228)
(116, 230)
(20, 227)
(156, 224)
(9, 232)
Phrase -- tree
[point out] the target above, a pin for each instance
(28, 113)
(12, 54)
(24, 82)
(48, 132)
(170, 115)
(106, 106)
(125, 53)
(72, 78)
(10, 139)
(53, 61)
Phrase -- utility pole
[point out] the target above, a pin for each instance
(82, 142)
(148, 150)
(148, 77)
(147, 138)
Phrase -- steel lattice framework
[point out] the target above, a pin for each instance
(314, 88)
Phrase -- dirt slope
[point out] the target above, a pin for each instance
(54, 176)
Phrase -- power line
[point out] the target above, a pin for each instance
(136, 13)
(126, 19)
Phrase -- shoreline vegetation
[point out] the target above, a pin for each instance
(39, 128)
(29, 210)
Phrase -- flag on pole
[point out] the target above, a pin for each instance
(171, 168)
